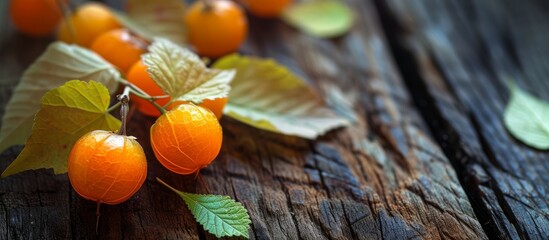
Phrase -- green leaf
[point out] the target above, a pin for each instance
(323, 18)
(67, 113)
(183, 75)
(268, 96)
(159, 18)
(57, 65)
(527, 118)
(219, 215)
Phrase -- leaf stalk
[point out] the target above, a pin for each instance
(168, 186)
(135, 90)
(116, 105)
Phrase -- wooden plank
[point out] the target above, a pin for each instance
(382, 178)
(456, 56)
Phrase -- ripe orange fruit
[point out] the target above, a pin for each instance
(217, 30)
(106, 167)
(186, 139)
(215, 105)
(87, 22)
(271, 8)
(119, 47)
(139, 76)
(36, 18)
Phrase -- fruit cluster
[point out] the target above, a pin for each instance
(214, 27)
(110, 167)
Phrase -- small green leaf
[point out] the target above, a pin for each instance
(183, 75)
(159, 18)
(57, 65)
(67, 113)
(268, 96)
(323, 18)
(219, 215)
(527, 118)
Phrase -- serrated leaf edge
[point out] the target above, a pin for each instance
(165, 50)
(186, 199)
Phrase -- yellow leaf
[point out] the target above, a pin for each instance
(67, 113)
(59, 63)
(268, 96)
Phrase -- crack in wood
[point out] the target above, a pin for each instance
(442, 111)
(336, 187)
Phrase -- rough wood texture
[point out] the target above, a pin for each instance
(456, 56)
(385, 177)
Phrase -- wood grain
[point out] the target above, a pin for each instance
(391, 175)
(457, 56)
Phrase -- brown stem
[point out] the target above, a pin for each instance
(202, 182)
(142, 94)
(124, 98)
(98, 214)
(208, 5)
(168, 186)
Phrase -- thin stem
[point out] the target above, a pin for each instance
(134, 87)
(124, 98)
(208, 5)
(97, 214)
(203, 183)
(152, 100)
(116, 105)
(146, 96)
(168, 186)
(142, 94)
(160, 97)
(169, 103)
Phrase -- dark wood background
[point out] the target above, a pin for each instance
(427, 157)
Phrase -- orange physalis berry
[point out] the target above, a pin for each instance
(87, 23)
(36, 18)
(139, 76)
(215, 105)
(106, 167)
(119, 47)
(186, 139)
(216, 29)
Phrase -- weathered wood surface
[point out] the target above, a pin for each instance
(386, 177)
(456, 56)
